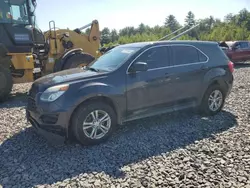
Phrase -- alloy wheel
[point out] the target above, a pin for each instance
(215, 100)
(97, 124)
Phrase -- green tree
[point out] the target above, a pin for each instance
(127, 31)
(232, 27)
(114, 36)
(171, 22)
(190, 19)
(230, 18)
(142, 28)
(105, 36)
(242, 17)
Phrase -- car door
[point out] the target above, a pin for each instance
(188, 66)
(240, 51)
(146, 89)
(245, 51)
(236, 52)
(248, 52)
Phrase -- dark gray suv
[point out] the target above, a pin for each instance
(129, 82)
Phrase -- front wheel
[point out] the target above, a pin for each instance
(93, 123)
(213, 100)
(6, 83)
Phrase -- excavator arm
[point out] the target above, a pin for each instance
(94, 34)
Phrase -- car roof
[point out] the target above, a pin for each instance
(233, 42)
(152, 43)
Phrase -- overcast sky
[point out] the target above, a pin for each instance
(116, 14)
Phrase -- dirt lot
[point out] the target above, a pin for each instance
(175, 150)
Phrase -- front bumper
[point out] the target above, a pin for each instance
(52, 137)
(52, 126)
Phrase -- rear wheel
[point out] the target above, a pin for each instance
(213, 100)
(6, 83)
(78, 60)
(93, 123)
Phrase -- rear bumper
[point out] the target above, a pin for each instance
(229, 85)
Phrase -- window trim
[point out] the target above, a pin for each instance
(169, 45)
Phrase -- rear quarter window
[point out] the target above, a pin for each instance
(202, 57)
(183, 55)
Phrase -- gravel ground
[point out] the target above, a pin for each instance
(175, 150)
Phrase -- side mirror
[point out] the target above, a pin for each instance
(139, 66)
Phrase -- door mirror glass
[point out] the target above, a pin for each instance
(139, 66)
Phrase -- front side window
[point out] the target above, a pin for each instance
(14, 12)
(237, 45)
(156, 57)
(183, 55)
(113, 58)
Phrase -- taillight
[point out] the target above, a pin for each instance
(231, 66)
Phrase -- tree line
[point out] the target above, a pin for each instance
(232, 27)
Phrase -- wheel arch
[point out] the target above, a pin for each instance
(101, 98)
(59, 64)
(215, 81)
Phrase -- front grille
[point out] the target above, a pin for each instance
(31, 104)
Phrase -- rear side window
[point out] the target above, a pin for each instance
(187, 55)
(244, 45)
(156, 57)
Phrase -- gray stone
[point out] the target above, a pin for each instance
(175, 150)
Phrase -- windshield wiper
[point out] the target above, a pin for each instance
(91, 68)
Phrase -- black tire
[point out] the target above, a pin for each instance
(3, 50)
(80, 116)
(6, 83)
(204, 107)
(78, 59)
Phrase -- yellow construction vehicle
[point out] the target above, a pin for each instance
(27, 54)
(16, 43)
(65, 49)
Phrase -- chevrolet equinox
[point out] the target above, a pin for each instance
(129, 82)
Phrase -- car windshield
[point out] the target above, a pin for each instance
(112, 59)
(14, 11)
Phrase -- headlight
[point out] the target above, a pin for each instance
(53, 93)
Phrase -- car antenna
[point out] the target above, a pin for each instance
(179, 35)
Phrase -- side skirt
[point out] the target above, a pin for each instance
(160, 110)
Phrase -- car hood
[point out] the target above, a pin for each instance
(65, 76)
